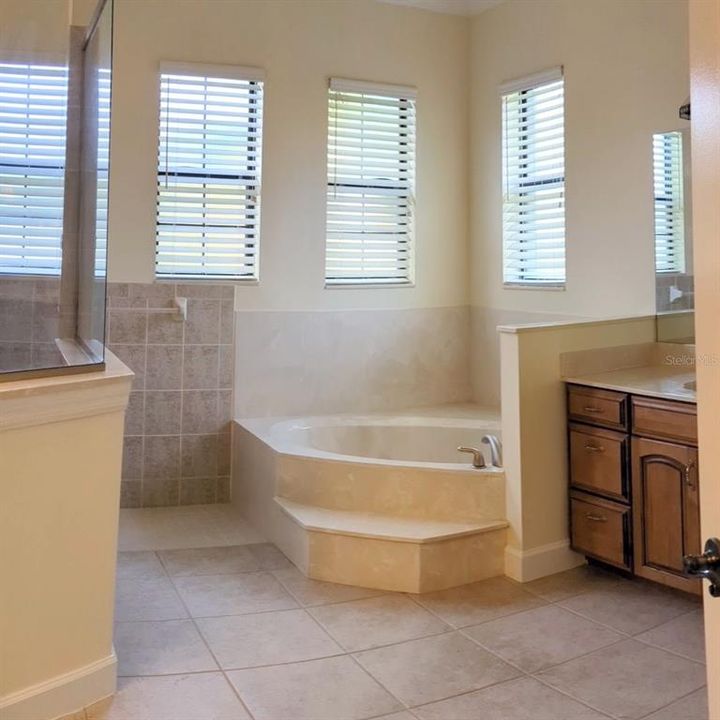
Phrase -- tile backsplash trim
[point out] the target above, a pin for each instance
(177, 426)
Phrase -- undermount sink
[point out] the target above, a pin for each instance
(692, 385)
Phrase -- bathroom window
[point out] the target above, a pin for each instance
(32, 167)
(669, 202)
(371, 177)
(102, 87)
(209, 161)
(533, 154)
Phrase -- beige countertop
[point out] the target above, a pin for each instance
(661, 381)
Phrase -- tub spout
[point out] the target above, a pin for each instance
(495, 449)
(478, 460)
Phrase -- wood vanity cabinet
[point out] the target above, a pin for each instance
(634, 482)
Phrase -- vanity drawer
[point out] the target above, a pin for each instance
(600, 529)
(599, 461)
(599, 407)
(664, 419)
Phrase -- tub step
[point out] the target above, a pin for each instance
(390, 553)
(381, 527)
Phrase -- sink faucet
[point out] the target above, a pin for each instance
(495, 449)
(478, 460)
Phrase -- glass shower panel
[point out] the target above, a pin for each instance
(54, 140)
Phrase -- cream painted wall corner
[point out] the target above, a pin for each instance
(534, 432)
(61, 450)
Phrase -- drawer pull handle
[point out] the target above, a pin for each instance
(595, 518)
(595, 448)
(688, 473)
(592, 409)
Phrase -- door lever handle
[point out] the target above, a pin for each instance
(706, 565)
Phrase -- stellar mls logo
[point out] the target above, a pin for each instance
(692, 360)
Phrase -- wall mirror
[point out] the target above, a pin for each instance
(55, 88)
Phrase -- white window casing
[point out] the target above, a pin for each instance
(669, 202)
(209, 172)
(370, 184)
(33, 119)
(533, 176)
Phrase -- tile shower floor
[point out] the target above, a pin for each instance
(214, 624)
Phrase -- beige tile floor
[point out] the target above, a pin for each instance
(227, 629)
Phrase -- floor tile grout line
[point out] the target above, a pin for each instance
(523, 676)
(671, 652)
(357, 662)
(482, 622)
(449, 631)
(627, 635)
(380, 593)
(573, 697)
(460, 630)
(403, 704)
(537, 675)
(233, 689)
(680, 699)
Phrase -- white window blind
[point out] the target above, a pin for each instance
(33, 110)
(371, 177)
(533, 143)
(209, 160)
(103, 167)
(669, 202)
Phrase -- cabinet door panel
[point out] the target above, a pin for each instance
(665, 510)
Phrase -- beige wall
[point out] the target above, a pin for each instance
(534, 432)
(626, 74)
(299, 45)
(60, 444)
(34, 31)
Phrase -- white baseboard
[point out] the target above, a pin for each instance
(62, 694)
(527, 565)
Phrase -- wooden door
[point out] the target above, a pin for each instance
(705, 129)
(666, 511)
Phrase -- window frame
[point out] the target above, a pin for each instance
(54, 64)
(254, 76)
(405, 94)
(526, 85)
(675, 200)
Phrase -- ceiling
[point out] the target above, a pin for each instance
(451, 7)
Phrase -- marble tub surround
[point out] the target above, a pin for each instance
(663, 370)
(340, 361)
(177, 430)
(393, 524)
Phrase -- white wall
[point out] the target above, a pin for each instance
(626, 74)
(300, 45)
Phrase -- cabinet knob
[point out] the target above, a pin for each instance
(594, 448)
(593, 409)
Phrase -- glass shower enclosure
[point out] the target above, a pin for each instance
(55, 91)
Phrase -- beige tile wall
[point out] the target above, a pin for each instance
(350, 361)
(177, 428)
(29, 319)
